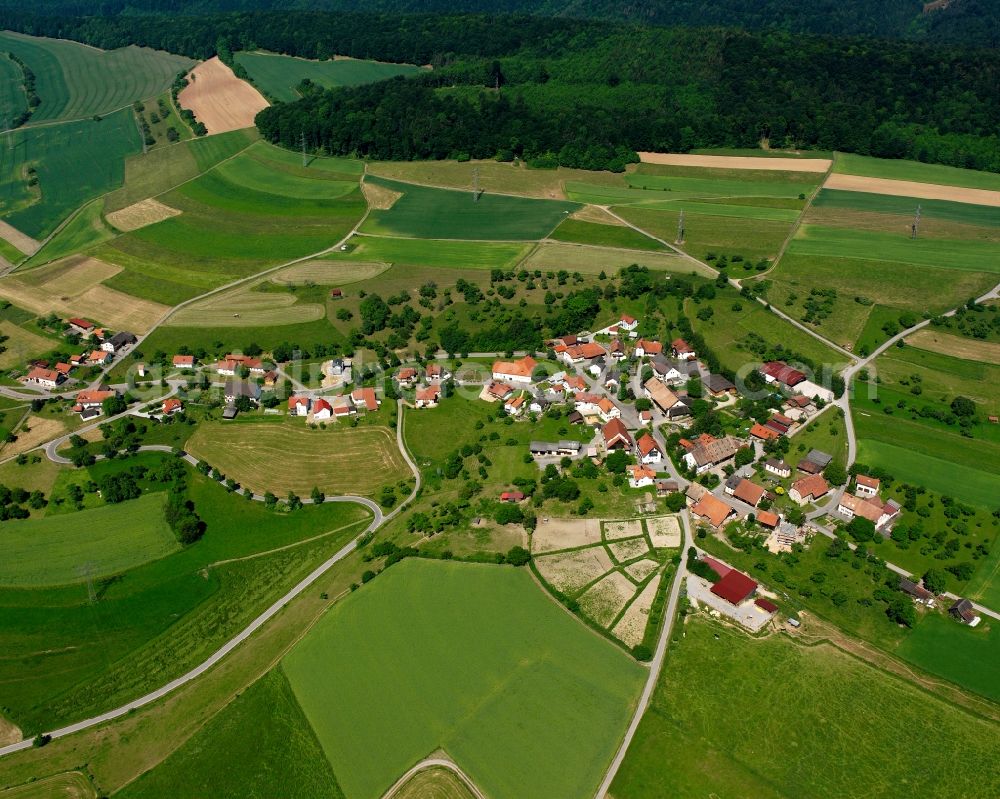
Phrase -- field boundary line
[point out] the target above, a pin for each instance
(256, 555)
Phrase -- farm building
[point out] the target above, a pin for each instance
(781, 374)
(808, 489)
(545, 449)
(118, 342)
(718, 386)
(872, 508)
(709, 452)
(748, 492)
(735, 587)
(515, 371)
(712, 510)
(661, 396)
(920, 594)
(235, 389)
(644, 348)
(616, 436)
(764, 433)
(964, 611)
(777, 468)
(46, 378)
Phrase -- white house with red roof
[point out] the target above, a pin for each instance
(640, 476)
(647, 450)
(646, 348)
(171, 405)
(100, 358)
(427, 396)
(406, 377)
(322, 410)
(45, 378)
(299, 406)
(365, 398)
(616, 436)
(627, 323)
(681, 350)
(183, 361)
(866, 486)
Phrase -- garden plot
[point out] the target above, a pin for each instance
(569, 572)
(554, 534)
(603, 601)
(631, 627)
(641, 569)
(627, 528)
(629, 549)
(664, 531)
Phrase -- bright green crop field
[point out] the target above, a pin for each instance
(473, 659)
(866, 166)
(619, 236)
(12, 99)
(982, 215)
(83, 231)
(75, 81)
(53, 550)
(428, 213)
(450, 254)
(75, 162)
(67, 657)
(278, 75)
(722, 723)
(281, 758)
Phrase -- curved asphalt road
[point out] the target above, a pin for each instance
(378, 520)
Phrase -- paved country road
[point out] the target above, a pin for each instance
(378, 520)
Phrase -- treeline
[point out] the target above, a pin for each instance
(30, 92)
(571, 91)
(972, 22)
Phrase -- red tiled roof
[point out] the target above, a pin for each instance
(749, 492)
(646, 444)
(171, 404)
(511, 496)
(734, 587)
(768, 518)
(430, 394)
(680, 345)
(93, 396)
(183, 360)
(812, 486)
(783, 373)
(615, 430)
(521, 368)
(765, 433)
(649, 347)
(321, 404)
(625, 318)
(712, 509)
(82, 323)
(294, 402)
(366, 397)
(868, 482)
(43, 374)
(766, 605)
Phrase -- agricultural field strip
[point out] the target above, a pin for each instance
(378, 520)
(819, 165)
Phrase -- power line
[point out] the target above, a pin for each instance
(915, 227)
(475, 184)
(680, 228)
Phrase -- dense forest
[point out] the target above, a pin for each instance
(585, 93)
(967, 22)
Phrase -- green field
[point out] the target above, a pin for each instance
(590, 260)
(75, 81)
(428, 213)
(980, 215)
(447, 254)
(67, 657)
(472, 647)
(83, 231)
(75, 163)
(737, 717)
(54, 550)
(967, 656)
(965, 483)
(984, 586)
(974, 256)
(866, 166)
(281, 758)
(277, 76)
(229, 230)
(620, 236)
(9, 252)
(12, 99)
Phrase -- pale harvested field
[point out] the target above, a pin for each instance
(219, 99)
(664, 531)
(910, 188)
(21, 344)
(380, 198)
(627, 528)
(555, 534)
(589, 260)
(329, 273)
(244, 307)
(283, 457)
(141, 214)
(70, 785)
(632, 625)
(738, 162)
(22, 241)
(641, 569)
(605, 599)
(570, 571)
(73, 288)
(970, 349)
(623, 551)
(10, 733)
(594, 213)
(32, 433)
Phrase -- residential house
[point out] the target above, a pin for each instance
(435, 373)
(428, 397)
(617, 350)
(873, 508)
(82, 326)
(581, 352)
(253, 365)
(227, 368)
(597, 367)
(498, 391)
(669, 371)
(299, 406)
(519, 371)
(964, 612)
(406, 377)
(341, 407)
(679, 411)
(64, 368)
(118, 342)
(768, 519)
(764, 433)
(682, 350)
(920, 594)
(627, 323)
(777, 468)
(616, 436)
(662, 397)
(718, 386)
(79, 359)
(323, 410)
(866, 486)
(93, 399)
(647, 450)
(270, 378)
(100, 358)
(712, 510)
(709, 452)
(515, 405)
(45, 378)
(364, 398)
(645, 348)
(512, 496)
(183, 362)
(236, 388)
(538, 404)
(646, 418)
(171, 405)
(808, 489)
(640, 476)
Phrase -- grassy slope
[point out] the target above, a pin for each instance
(12, 98)
(75, 161)
(742, 718)
(451, 254)
(282, 756)
(113, 538)
(443, 214)
(84, 231)
(866, 166)
(75, 81)
(573, 230)
(944, 210)
(278, 75)
(474, 646)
